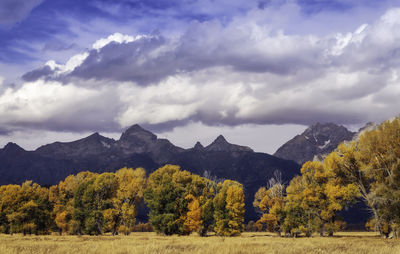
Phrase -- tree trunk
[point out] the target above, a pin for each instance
(378, 222)
(321, 230)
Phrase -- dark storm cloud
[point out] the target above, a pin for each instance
(127, 62)
(167, 126)
(4, 132)
(38, 73)
(205, 45)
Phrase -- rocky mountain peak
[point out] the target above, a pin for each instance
(95, 137)
(316, 140)
(136, 133)
(323, 128)
(12, 147)
(220, 144)
(220, 140)
(136, 140)
(198, 146)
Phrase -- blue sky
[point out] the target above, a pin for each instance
(189, 70)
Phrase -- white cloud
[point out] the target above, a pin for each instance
(54, 106)
(117, 37)
(172, 100)
(69, 66)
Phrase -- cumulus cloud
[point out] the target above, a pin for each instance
(245, 71)
(13, 11)
(54, 106)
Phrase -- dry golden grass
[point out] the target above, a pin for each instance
(354, 243)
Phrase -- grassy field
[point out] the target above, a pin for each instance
(151, 243)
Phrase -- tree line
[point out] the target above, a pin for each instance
(366, 169)
(93, 204)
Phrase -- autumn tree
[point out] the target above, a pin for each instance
(90, 203)
(193, 220)
(299, 217)
(229, 209)
(62, 198)
(207, 207)
(372, 164)
(380, 158)
(165, 195)
(130, 191)
(25, 209)
(270, 202)
(315, 198)
(179, 202)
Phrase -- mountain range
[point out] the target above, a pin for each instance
(138, 147)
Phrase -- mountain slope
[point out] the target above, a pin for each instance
(316, 140)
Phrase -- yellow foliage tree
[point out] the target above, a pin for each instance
(229, 209)
(315, 198)
(271, 203)
(193, 220)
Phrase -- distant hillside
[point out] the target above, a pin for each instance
(138, 147)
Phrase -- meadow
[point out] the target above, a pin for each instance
(249, 242)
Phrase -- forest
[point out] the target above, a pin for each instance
(180, 203)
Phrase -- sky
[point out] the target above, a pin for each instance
(256, 71)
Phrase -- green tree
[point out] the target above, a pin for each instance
(179, 202)
(165, 196)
